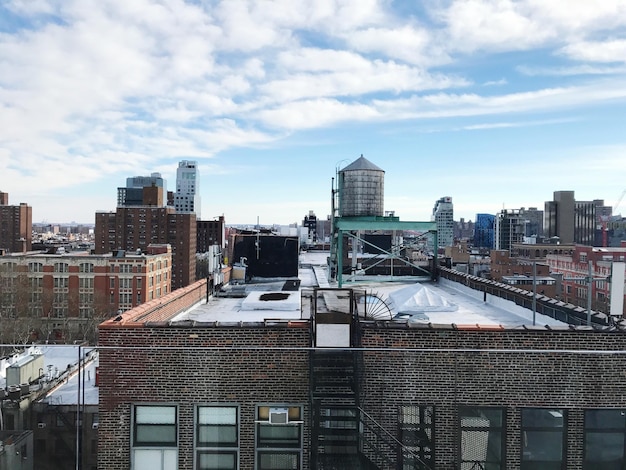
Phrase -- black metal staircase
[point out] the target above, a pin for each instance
(343, 436)
(335, 432)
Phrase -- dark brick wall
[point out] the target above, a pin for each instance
(173, 365)
(444, 375)
(447, 368)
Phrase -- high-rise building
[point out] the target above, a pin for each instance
(135, 227)
(484, 230)
(187, 196)
(534, 222)
(133, 194)
(510, 228)
(16, 226)
(443, 216)
(570, 220)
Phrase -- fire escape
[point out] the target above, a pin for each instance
(343, 435)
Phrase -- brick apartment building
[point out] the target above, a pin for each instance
(16, 226)
(64, 295)
(574, 268)
(330, 388)
(521, 272)
(133, 228)
(209, 233)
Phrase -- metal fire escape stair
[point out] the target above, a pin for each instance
(335, 411)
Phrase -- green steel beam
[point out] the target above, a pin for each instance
(347, 224)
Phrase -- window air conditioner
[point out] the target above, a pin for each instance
(41, 425)
(279, 415)
(94, 426)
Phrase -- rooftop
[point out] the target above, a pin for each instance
(441, 303)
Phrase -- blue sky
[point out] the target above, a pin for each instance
(495, 103)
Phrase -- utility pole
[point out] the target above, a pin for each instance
(589, 280)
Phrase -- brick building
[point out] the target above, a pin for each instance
(64, 295)
(16, 226)
(315, 380)
(133, 228)
(574, 268)
(521, 272)
(209, 233)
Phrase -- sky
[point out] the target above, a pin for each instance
(495, 103)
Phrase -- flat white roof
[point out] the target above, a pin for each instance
(245, 305)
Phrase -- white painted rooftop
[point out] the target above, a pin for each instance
(447, 302)
(60, 366)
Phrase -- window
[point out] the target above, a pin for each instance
(85, 267)
(217, 437)
(416, 433)
(61, 282)
(482, 438)
(543, 439)
(605, 436)
(155, 437)
(85, 282)
(61, 267)
(154, 426)
(279, 446)
(35, 267)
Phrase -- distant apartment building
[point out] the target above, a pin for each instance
(484, 231)
(443, 216)
(534, 222)
(62, 295)
(187, 196)
(209, 233)
(539, 251)
(463, 230)
(132, 228)
(522, 273)
(575, 268)
(510, 228)
(16, 226)
(310, 223)
(572, 221)
(134, 195)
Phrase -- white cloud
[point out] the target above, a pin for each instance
(93, 88)
(597, 51)
(586, 69)
(501, 25)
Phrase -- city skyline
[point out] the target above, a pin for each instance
(495, 104)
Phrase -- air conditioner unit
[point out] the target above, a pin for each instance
(279, 415)
(41, 425)
(94, 426)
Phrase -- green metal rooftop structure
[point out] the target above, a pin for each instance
(357, 207)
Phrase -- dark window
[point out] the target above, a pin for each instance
(482, 438)
(543, 446)
(605, 435)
